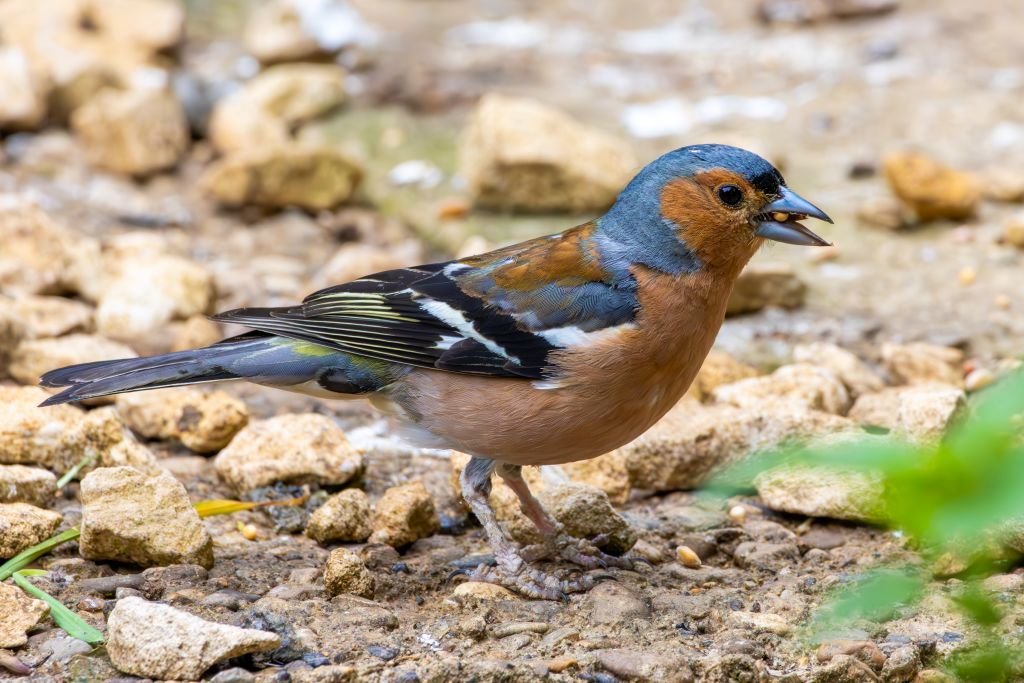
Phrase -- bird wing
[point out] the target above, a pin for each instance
(501, 313)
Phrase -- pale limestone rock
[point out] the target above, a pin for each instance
(274, 33)
(878, 409)
(586, 512)
(693, 441)
(289, 448)
(297, 30)
(20, 484)
(482, 592)
(146, 294)
(346, 573)
(194, 332)
(313, 178)
(804, 385)
(1003, 184)
(346, 516)
(153, 25)
(607, 472)
(50, 316)
(18, 614)
(278, 101)
(854, 373)
(23, 525)
(840, 491)
(520, 154)
(37, 251)
(12, 331)
(146, 520)
(931, 189)
(29, 434)
(152, 640)
(764, 284)
(34, 357)
(404, 514)
(762, 621)
(101, 432)
(25, 89)
(846, 494)
(718, 368)
(134, 132)
(83, 45)
(920, 363)
(204, 421)
(58, 437)
(926, 412)
(354, 260)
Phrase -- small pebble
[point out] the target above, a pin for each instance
(738, 514)
(1002, 301)
(979, 378)
(473, 627)
(557, 666)
(91, 604)
(967, 275)
(249, 531)
(516, 627)
(687, 557)
(381, 652)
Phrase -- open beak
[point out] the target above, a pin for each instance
(779, 221)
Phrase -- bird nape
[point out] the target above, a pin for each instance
(554, 350)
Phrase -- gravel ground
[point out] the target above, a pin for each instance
(826, 101)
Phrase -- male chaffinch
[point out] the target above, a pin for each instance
(554, 350)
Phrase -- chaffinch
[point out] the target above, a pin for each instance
(554, 350)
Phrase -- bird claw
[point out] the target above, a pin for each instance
(580, 551)
(535, 583)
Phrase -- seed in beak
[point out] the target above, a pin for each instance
(780, 217)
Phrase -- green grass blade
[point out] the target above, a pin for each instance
(73, 624)
(76, 468)
(30, 555)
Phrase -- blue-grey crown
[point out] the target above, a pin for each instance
(634, 230)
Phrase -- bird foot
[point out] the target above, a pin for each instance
(580, 551)
(534, 583)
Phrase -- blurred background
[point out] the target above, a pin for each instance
(164, 159)
(328, 138)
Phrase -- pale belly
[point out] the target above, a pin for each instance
(513, 421)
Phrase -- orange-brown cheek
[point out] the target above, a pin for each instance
(702, 221)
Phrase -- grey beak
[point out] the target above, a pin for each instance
(790, 231)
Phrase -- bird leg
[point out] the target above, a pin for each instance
(557, 542)
(513, 570)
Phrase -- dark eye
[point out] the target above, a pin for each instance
(730, 195)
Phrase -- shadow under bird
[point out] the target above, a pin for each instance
(558, 349)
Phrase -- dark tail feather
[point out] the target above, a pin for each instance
(102, 378)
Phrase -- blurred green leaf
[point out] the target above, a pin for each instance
(954, 501)
(872, 597)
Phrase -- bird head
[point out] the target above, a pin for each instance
(706, 206)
